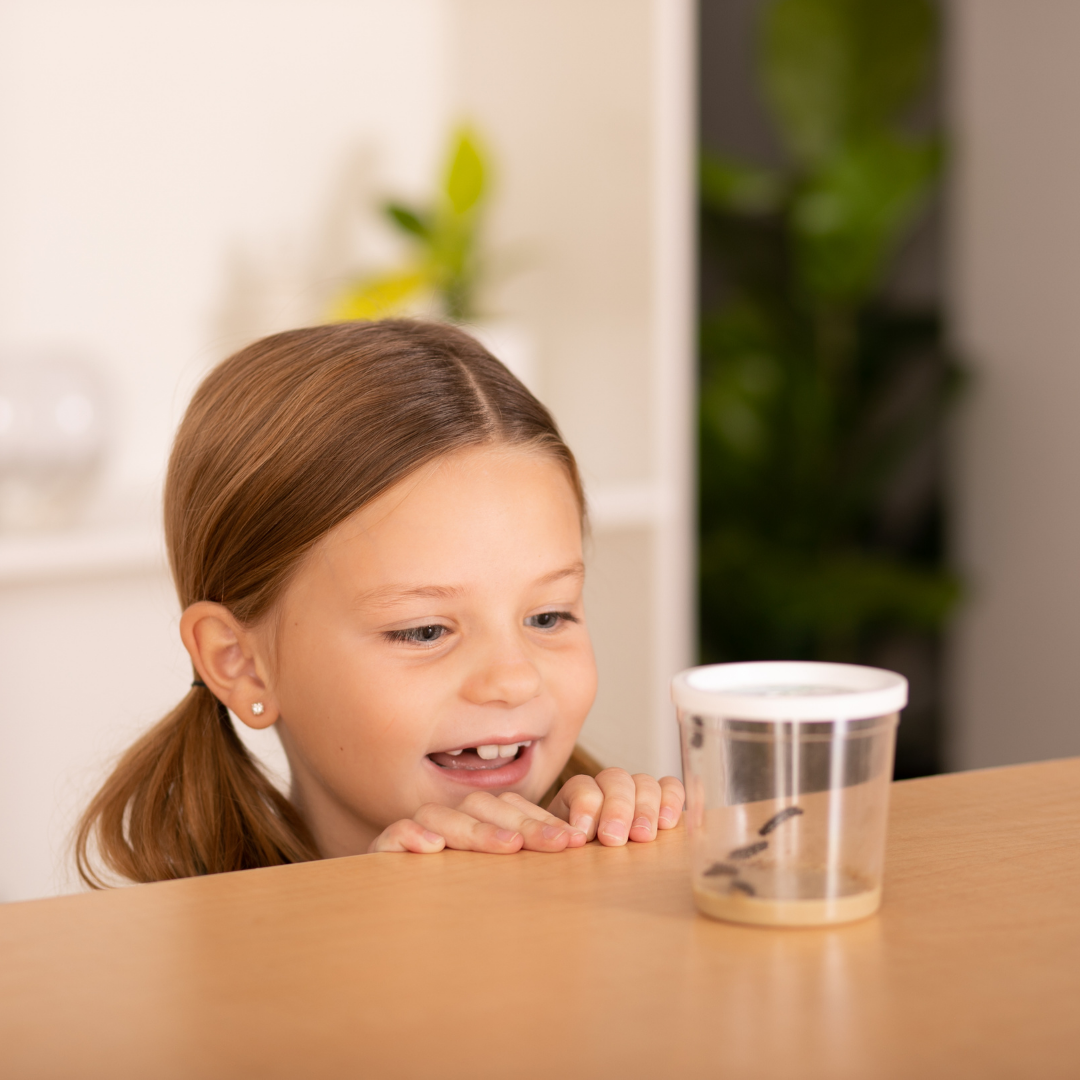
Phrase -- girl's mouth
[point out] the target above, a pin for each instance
(486, 765)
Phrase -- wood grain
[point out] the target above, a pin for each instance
(588, 963)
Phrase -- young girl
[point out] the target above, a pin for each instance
(376, 534)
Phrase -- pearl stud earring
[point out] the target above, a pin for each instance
(257, 708)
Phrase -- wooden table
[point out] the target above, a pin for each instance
(591, 963)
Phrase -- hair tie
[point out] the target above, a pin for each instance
(222, 710)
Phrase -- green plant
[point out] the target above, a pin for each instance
(821, 403)
(444, 266)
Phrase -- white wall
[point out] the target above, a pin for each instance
(1016, 284)
(179, 177)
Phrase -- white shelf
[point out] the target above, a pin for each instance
(85, 551)
(137, 546)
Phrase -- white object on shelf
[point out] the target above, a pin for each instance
(511, 344)
(52, 438)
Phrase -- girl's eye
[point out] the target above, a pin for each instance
(549, 620)
(419, 635)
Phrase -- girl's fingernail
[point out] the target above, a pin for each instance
(667, 815)
(505, 835)
(552, 832)
(614, 830)
(431, 837)
(584, 823)
(643, 823)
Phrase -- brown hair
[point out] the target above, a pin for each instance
(281, 442)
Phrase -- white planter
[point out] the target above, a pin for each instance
(513, 345)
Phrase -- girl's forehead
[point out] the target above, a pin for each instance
(462, 487)
(462, 514)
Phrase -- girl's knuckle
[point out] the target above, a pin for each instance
(579, 785)
(612, 774)
(589, 800)
(477, 801)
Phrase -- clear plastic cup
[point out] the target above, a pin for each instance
(787, 767)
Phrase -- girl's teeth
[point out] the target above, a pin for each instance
(491, 751)
(453, 753)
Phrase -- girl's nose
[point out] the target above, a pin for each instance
(504, 680)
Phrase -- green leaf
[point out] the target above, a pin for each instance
(780, 600)
(893, 47)
(732, 186)
(836, 69)
(465, 178)
(408, 221)
(849, 214)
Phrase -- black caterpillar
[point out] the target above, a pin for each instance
(749, 851)
(779, 819)
(697, 738)
(719, 869)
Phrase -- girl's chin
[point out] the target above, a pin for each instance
(464, 778)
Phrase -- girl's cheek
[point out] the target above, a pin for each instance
(583, 683)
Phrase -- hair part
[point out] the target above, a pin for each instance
(282, 442)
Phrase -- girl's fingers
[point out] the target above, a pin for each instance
(672, 800)
(540, 830)
(613, 807)
(579, 802)
(529, 809)
(464, 833)
(646, 808)
(620, 801)
(407, 835)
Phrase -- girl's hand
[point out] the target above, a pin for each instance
(617, 806)
(498, 824)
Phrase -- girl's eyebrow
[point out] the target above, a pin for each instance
(392, 594)
(576, 569)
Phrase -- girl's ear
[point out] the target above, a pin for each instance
(227, 657)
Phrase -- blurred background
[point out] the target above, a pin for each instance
(795, 276)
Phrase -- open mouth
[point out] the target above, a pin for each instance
(487, 757)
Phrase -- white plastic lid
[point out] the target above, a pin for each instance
(789, 690)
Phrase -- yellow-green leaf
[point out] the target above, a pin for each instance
(465, 176)
(378, 297)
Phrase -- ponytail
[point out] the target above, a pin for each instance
(189, 799)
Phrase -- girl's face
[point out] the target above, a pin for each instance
(433, 644)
